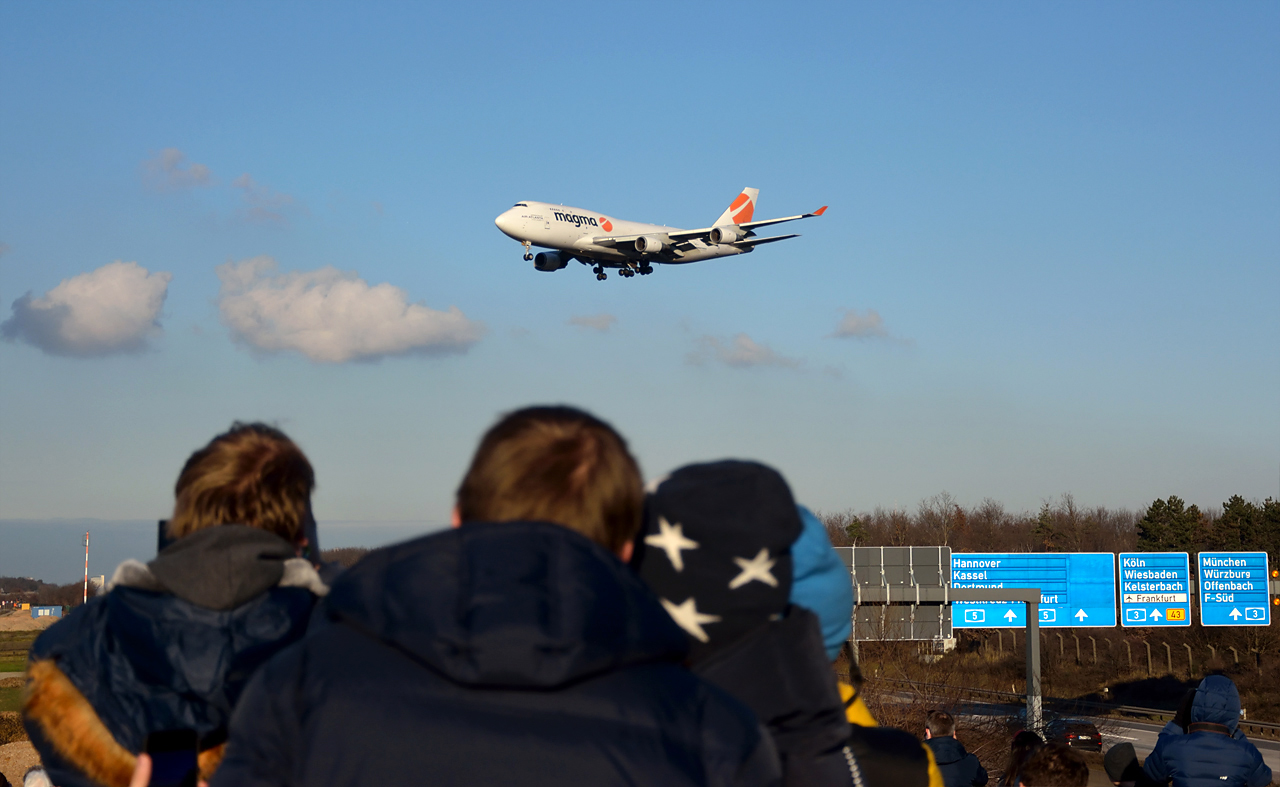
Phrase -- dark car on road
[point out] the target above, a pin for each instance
(1076, 733)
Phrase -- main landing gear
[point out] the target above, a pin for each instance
(528, 255)
(625, 272)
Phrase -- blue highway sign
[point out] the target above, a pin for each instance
(1155, 589)
(1076, 589)
(1233, 589)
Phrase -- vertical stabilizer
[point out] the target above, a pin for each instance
(740, 210)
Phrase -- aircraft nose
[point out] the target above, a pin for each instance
(504, 222)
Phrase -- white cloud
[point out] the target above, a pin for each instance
(169, 171)
(263, 203)
(740, 352)
(869, 325)
(595, 322)
(331, 316)
(113, 309)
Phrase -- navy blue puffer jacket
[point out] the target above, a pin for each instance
(1211, 752)
(510, 653)
(172, 645)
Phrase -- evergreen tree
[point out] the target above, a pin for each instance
(1235, 529)
(1170, 526)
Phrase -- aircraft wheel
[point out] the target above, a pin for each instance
(601, 276)
(528, 257)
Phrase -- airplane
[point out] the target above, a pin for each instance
(605, 242)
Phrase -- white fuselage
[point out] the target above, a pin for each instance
(571, 230)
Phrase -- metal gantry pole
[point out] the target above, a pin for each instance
(1035, 702)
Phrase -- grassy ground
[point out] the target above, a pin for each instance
(10, 700)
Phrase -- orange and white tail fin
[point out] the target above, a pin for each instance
(740, 210)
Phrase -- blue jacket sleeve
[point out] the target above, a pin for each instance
(1261, 775)
(264, 732)
(980, 776)
(821, 582)
(1155, 767)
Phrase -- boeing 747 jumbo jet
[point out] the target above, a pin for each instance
(605, 242)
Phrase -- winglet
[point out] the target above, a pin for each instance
(819, 211)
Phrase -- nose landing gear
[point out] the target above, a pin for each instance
(528, 255)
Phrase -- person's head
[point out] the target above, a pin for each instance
(939, 724)
(560, 465)
(1025, 744)
(1055, 765)
(252, 474)
(1216, 701)
(716, 549)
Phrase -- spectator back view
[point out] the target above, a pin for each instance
(1054, 765)
(959, 767)
(174, 641)
(1211, 751)
(717, 550)
(516, 648)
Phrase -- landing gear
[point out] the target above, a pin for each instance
(600, 274)
(528, 255)
(645, 270)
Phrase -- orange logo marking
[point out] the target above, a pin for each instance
(742, 209)
(606, 225)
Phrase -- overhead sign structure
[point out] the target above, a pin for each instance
(1233, 589)
(898, 592)
(1076, 589)
(1155, 589)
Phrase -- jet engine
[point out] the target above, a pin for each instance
(550, 260)
(648, 244)
(727, 234)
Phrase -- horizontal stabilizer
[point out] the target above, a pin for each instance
(758, 241)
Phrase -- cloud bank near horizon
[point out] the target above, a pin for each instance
(332, 316)
(113, 309)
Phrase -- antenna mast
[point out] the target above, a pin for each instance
(86, 567)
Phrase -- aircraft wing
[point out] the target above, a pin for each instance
(750, 225)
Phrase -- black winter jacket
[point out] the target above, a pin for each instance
(959, 768)
(510, 653)
(171, 645)
(780, 670)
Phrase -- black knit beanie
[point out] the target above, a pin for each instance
(716, 548)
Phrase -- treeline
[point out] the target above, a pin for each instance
(42, 594)
(1168, 525)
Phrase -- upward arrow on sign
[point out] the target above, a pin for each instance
(1081, 615)
(1010, 616)
(1155, 613)
(1234, 614)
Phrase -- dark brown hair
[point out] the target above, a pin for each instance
(555, 464)
(1055, 766)
(940, 723)
(252, 474)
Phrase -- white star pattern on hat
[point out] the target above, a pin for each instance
(688, 617)
(758, 568)
(670, 539)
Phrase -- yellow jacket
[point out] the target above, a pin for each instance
(857, 712)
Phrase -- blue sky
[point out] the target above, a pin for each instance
(1064, 215)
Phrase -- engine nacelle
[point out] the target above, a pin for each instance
(649, 244)
(550, 260)
(727, 234)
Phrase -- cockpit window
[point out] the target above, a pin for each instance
(520, 205)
